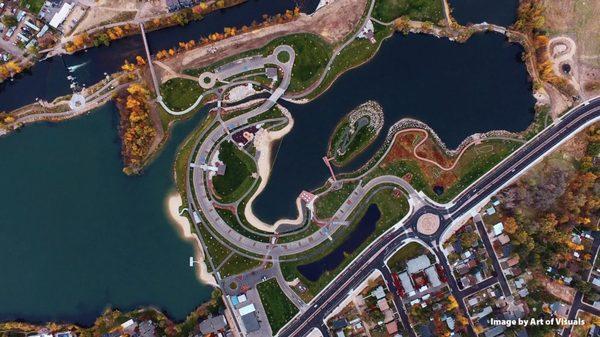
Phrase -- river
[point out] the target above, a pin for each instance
(48, 79)
(500, 12)
(458, 89)
(76, 234)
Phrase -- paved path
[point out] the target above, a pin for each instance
(335, 53)
(150, 65)
(240, 67)
(520, 161)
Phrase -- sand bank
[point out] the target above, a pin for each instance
(182, 224)
(263, 142)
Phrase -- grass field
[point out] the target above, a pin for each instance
(278, 307)
(475, 162)
(355, 54)
(180, 93)
(398, 261)
(327, 204)
(420, 10)
(33, 5)
(312, 55)
(237, 178)
(392, 210)
(237, 264)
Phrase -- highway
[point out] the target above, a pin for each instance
(373, 257)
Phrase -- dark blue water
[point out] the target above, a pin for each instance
(77, 235)
(458, 89)
(365, 227)
(500, 12)
(47, 79)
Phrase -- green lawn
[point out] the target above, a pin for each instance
(398, 261)
(180, 93)
(327, 204)
(355, 54)
(34, 6)
(238, 264)
(237, 178)
(274, 112)
(278, 307)
(420, 10)
(232, 221)
(392, 210)
(312, 55)
(218, 253)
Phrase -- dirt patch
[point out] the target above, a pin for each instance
(332, 23)
(576, 146)
(559, 14)
(105, 12)
(558, 290)
(577, 19)
(403, 148)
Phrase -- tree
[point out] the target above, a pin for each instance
(10, 20)
(468, 239)
(510, 225)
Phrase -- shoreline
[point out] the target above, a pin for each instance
(263, 143)
(172, 203)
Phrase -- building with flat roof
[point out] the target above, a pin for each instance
(250, 322)
(249, 318)
(61, 16)
(498, 228)
(213, 324)
(406, 283)
(432, 275)
(417, 264)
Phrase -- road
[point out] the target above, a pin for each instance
(578, 303)
(492, 253)
(372, 257)
(485, 187)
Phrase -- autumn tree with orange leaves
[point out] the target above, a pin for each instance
(136, 127)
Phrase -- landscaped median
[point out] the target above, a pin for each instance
(279, 309)
(180, 93)
(316, 268)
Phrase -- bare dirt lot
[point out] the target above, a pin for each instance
(332, 23)
(578, 19)
(104, 12)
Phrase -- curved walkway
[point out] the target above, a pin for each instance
(239, 67)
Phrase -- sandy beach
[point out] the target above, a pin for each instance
(263, 142)
(182, 224)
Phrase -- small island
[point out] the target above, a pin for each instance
(355, 132)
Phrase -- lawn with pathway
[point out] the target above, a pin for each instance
(278, 307)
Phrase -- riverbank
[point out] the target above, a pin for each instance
(173, 203)
(263, 142)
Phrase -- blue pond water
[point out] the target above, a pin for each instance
(365, 227)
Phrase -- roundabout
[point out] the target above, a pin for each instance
(428, 223)
(77, 102)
